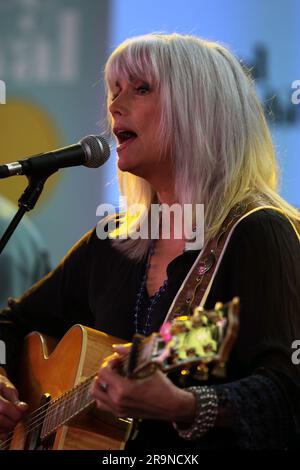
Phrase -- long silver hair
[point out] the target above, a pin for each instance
(212, 122)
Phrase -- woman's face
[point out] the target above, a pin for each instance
(135, 112)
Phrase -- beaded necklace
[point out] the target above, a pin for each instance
(145, 304)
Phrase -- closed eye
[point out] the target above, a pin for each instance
(143, 89)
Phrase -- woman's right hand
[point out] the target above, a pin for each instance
(11, 408)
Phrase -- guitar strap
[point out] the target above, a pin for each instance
(198, 282)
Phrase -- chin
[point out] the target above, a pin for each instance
(129, 167)
(123, 165)
(126, 167)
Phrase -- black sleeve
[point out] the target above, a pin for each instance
(52, 305)
(257, 412)
(262, 267)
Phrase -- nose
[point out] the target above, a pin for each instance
(120, 105)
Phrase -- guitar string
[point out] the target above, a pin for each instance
(36, 417)
(55, 425)
(40, 418)
(83, 388)
(52, 408)
(35, 423)
(69, 395)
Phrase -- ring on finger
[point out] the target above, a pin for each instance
(103, 386)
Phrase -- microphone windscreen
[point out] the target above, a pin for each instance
(96, 150)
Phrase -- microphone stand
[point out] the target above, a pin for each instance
(26, 203)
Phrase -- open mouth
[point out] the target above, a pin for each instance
(124, 137)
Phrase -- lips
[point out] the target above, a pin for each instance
(124, 136)
(125, 143)
(124, 133)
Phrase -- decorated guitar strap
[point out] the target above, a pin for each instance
(198, 282)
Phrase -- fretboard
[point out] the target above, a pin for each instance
(66, 407)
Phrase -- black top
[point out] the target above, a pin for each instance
(96, 285)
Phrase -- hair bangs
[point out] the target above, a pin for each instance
(132, 62)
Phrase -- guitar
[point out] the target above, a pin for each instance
(55, 378)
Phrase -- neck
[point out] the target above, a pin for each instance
(162, 181)
(165, 192)
(166, 197)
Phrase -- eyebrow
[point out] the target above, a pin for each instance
(132, 79)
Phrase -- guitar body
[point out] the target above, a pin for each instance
(55, 378)
(48, 367)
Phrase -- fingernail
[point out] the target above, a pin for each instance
(22, 404)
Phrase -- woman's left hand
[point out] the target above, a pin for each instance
(154, 397)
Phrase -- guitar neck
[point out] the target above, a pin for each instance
(206, 337)
(68, 406)
(72, 403)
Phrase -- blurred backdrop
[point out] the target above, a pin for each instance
(52, 54)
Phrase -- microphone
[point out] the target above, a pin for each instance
(92, 151)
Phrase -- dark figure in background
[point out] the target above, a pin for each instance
(25, 258)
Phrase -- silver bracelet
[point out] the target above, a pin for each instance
(205, 416)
